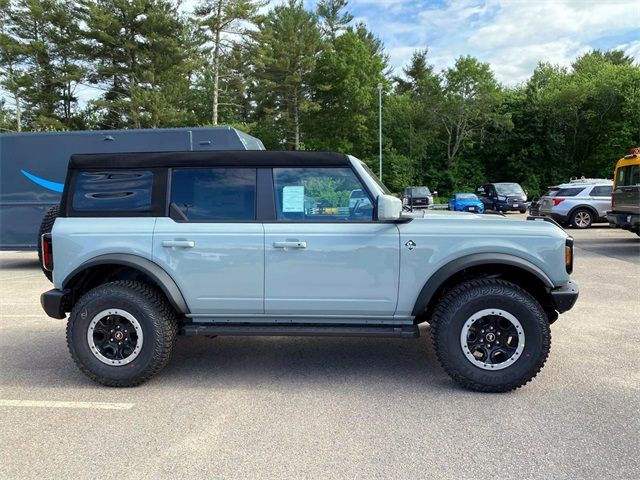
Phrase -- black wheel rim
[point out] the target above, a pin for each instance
(492, 339)
(115, 337)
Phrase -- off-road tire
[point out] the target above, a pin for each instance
(459, 304)
(45, 227)
(153, 312)
(585, 213)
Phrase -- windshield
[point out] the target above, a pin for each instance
(466, 196)
(509, 189)
(418, 191)
(374, 177)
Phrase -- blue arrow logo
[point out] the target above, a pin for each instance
(48, 184)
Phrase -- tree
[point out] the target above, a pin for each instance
(285, 49)
(221, 23)
(140, 53)
(471, 98)
(333, 19)
(345, 92)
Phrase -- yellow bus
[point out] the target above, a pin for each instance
(625, 200)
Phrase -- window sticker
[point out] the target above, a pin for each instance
(293, 199)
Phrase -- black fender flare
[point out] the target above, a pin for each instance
(166, 283)
(455, 266)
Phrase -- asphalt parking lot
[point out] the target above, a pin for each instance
(329, 408)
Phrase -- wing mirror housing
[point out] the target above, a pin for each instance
(389, 208)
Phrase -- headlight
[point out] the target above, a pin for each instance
(502, 198)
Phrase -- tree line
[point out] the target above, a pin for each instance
(302, 79)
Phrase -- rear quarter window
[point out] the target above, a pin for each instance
(569, 191)
(113, 191)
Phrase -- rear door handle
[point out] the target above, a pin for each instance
(294, 244)
(179, 243)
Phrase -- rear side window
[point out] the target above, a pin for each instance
(604, 191)
(569, 192)
(214, 194)
(113, 191)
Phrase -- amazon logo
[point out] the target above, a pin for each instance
(48, 184)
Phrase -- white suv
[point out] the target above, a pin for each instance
(579, 203)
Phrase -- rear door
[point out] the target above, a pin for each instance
(627, 194)
(211, 244)
(324, 257)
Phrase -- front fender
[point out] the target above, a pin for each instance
(445, 272)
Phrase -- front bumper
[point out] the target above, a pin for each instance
(54, 303)
(565, 297)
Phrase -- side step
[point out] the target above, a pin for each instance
(405, 331)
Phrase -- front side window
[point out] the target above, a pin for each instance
(214, 194)
(113, 191)
(320, 194)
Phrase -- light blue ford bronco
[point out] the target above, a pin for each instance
(147, 246)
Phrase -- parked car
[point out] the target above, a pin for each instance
(417, 197)
(466, 202)
(33, 166)
(534, 207)
(151, 245)
(579, 203)
(503, 197)
(625, 201)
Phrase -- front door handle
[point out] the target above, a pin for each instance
(294, 244)
(179, 243)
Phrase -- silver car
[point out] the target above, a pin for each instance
(579, 203)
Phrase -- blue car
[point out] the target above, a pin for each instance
(466, 202)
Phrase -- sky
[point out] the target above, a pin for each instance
(511, 35)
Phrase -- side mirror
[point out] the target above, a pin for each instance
(389, 208)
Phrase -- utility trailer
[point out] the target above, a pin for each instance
(33, 167)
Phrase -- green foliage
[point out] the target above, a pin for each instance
(299, 79)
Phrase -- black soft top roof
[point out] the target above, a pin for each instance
(245, 158)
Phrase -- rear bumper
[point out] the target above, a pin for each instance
(54, 302)
(565, 297)
(623, 220)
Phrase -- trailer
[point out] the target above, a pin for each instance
(33, 167)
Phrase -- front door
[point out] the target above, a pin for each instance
(211, 244)
(324, 254)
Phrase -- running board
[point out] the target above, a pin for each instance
(407, 331)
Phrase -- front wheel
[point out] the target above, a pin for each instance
(490, 335)
(121, 334)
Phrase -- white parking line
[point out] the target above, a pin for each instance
(62, 404)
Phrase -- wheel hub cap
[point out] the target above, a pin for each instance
(115, 337)
(492, 339)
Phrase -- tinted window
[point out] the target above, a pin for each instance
(604, 191)
(126, 190)
(569, 192)
(628, 176)
(214, 194)
(552, 192)
(320, 194)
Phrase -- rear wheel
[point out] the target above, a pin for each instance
(582, 218)
(490, 335)
(45, 227)
(523, 211)
(121, 334)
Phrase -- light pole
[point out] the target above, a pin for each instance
(380, 129)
